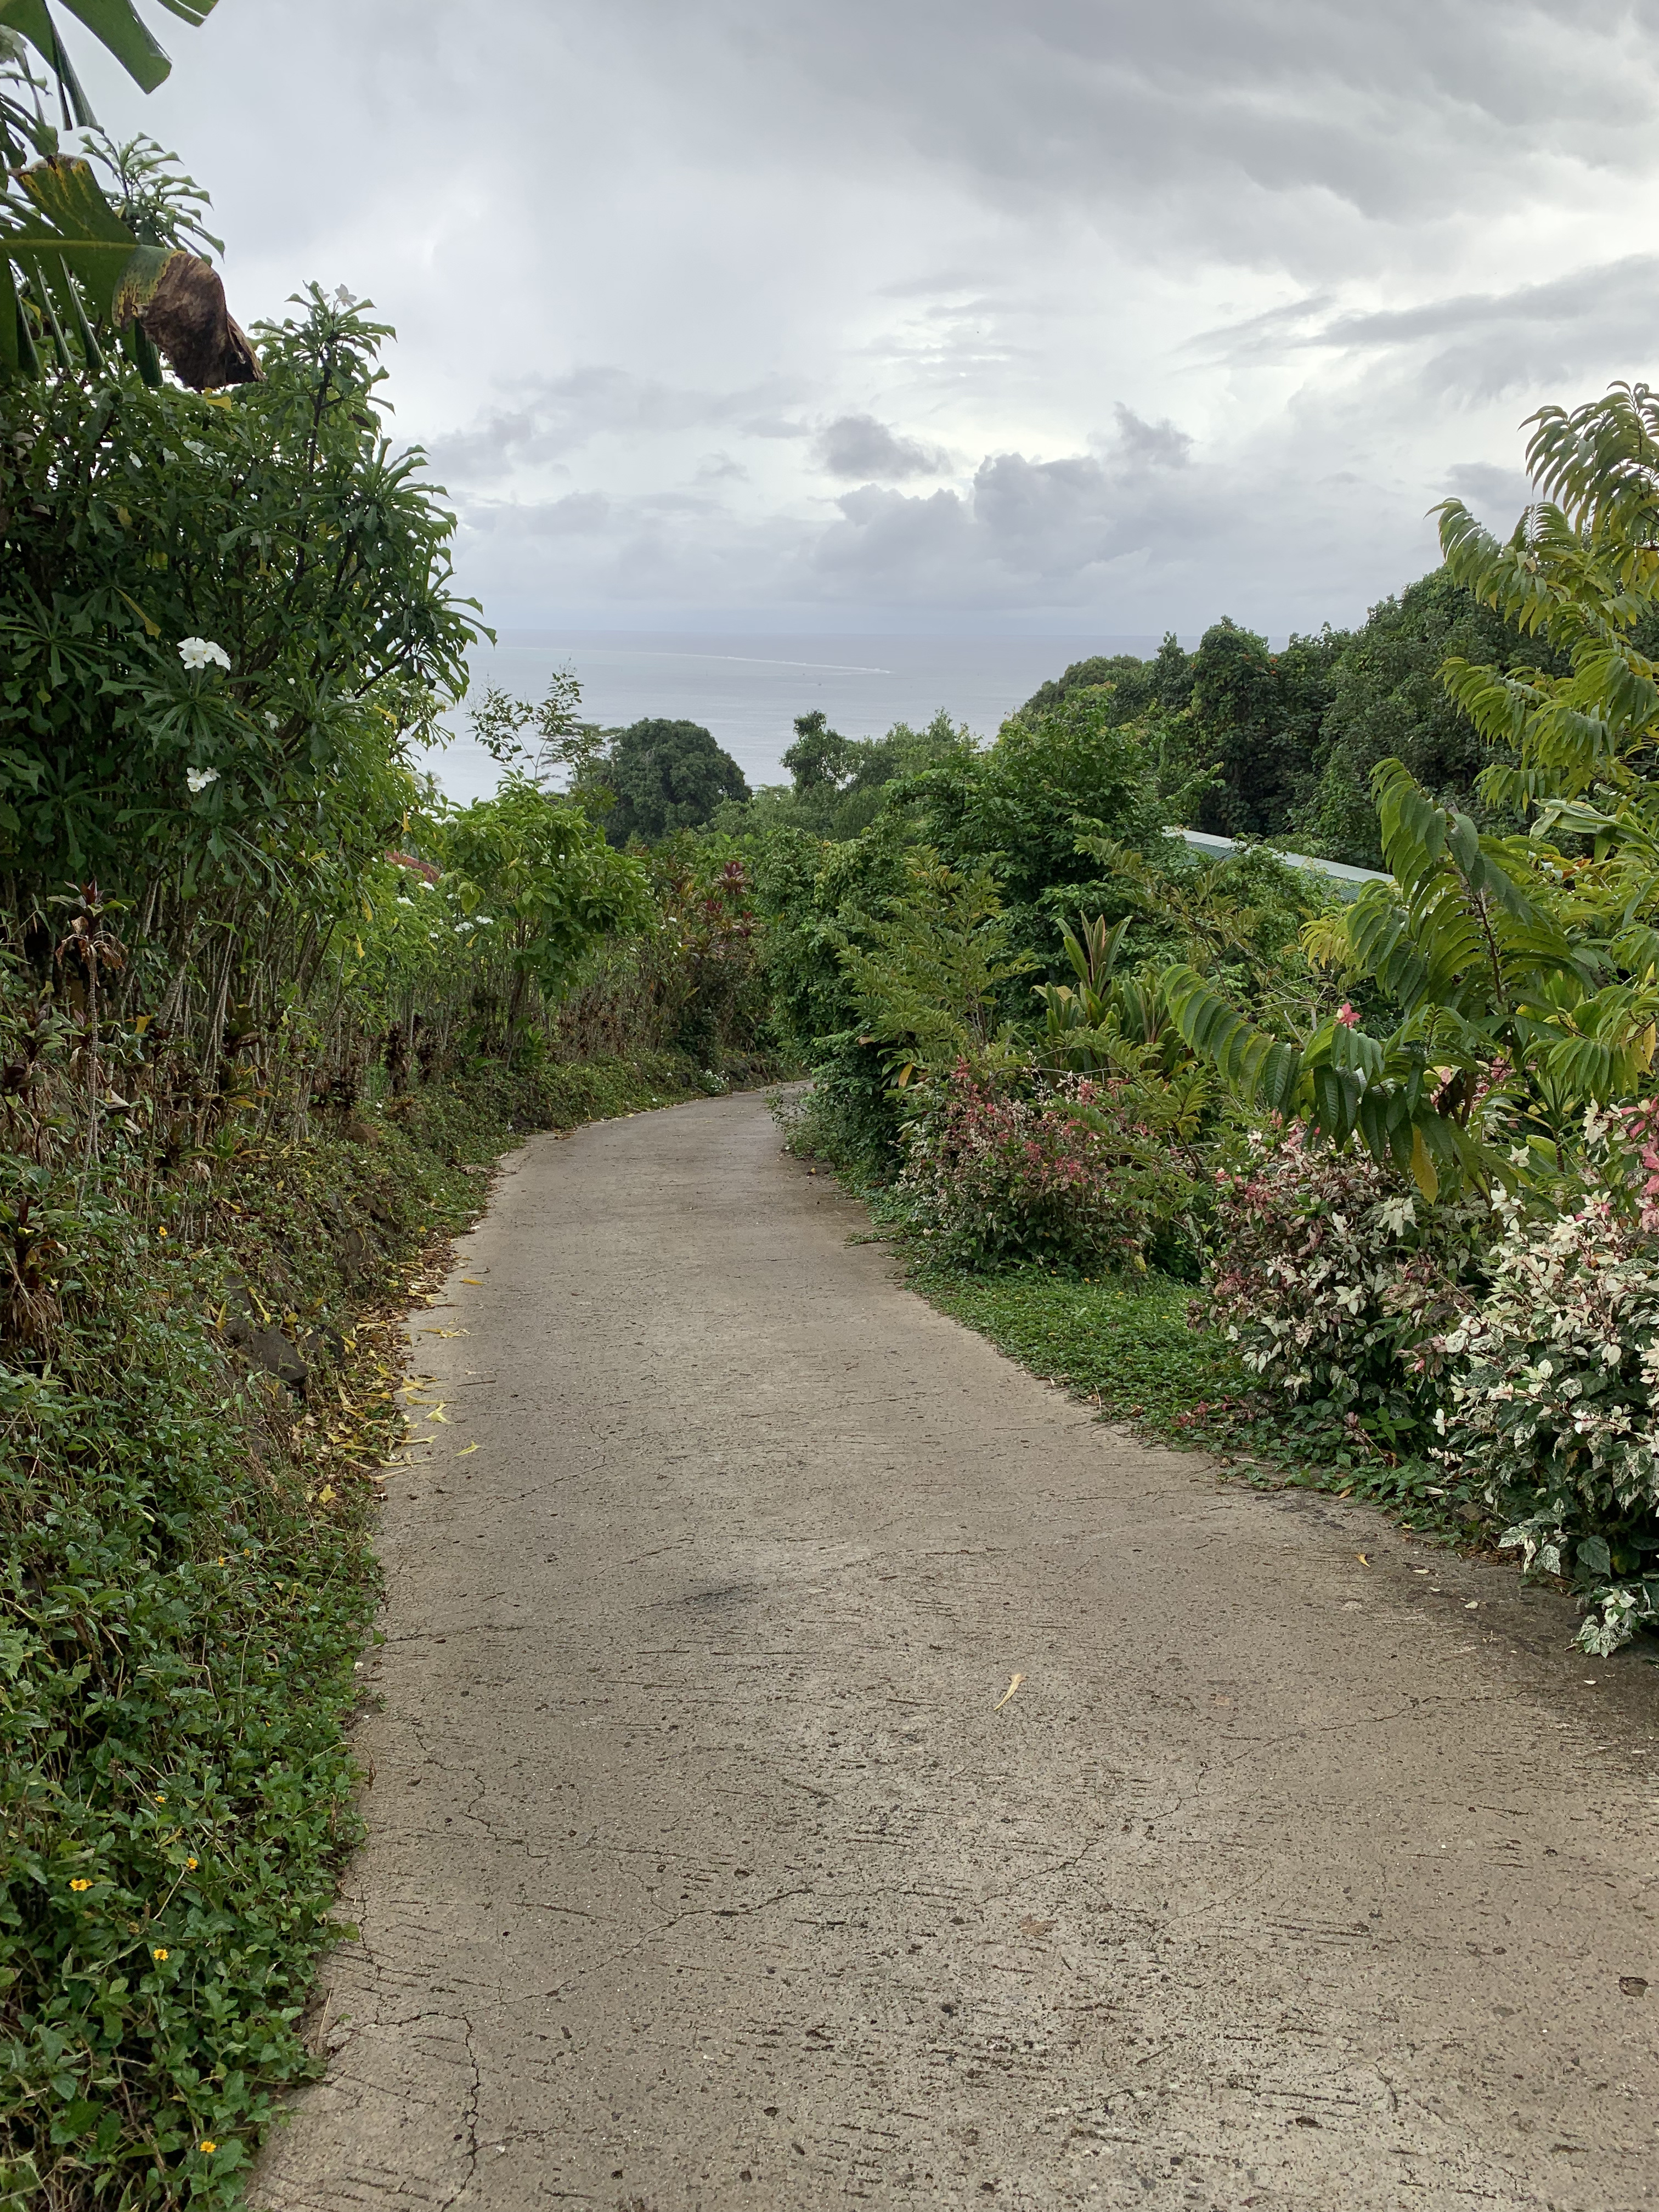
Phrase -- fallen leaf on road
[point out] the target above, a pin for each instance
(465, 1450)
(476, 1282)
(1007, 1693)
(1363, 1560)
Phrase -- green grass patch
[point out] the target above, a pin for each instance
(1128, 1345)
(1125, 1342)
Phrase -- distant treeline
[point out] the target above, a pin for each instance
(1292, 736)
(1260, 743)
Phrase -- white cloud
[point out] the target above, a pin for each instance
(1083, 311)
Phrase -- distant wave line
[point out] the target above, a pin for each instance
(742, 659)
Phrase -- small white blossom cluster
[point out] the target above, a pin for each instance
(200, 652)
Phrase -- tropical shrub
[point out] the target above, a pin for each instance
(1333, 1278)
(689, 981)
(1553, 1403)
(1062, 1170)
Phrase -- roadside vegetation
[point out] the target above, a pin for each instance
(1398, 1158)
(270, 1007)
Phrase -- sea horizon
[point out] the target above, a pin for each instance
(747, 687)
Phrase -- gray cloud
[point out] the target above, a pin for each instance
(560, 415)
(1220, 294)
(1156, 445)
(1496, 495)
(859, 446)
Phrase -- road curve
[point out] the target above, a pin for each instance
(711, 1866)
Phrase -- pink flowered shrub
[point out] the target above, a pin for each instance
(1553, 1397)
(1333, 1279)
(1001, 1168)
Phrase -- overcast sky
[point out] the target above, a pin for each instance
(943, 314)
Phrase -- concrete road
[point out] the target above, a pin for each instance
(712, 1866)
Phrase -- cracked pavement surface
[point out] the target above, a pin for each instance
(704, 1871)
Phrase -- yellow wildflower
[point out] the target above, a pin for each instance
(209, 2148)
(80, 1882)
(158, 1954)
(189, 1866)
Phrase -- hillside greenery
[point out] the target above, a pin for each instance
(1405, 1150)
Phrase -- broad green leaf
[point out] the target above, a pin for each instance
(117, 26)
(8, 352)
(76, 230)
(1423, 1168)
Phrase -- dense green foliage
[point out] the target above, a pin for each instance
(1282, 744)
(665, 776)
(1258, 716)
(281, 529)
(1332, 1113)
(1388, 702)
(839, 785)
(183, 1551)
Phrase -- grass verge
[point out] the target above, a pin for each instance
(1128, 1345)
(187, 1562)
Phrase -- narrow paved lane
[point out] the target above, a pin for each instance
(710, 1868)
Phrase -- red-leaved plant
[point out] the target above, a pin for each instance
(1002, 1168)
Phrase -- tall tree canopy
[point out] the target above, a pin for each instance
(666, 776)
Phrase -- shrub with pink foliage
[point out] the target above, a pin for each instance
(1333, 1278)
(1553, 1398)
(998, 1172)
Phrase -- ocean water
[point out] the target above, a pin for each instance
(748, 690)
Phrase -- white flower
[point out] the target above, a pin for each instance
(344, 299)
(199, 778)
(198, 651)
(270, 722)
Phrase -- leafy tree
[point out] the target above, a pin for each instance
(1139, 688)
(542, 877)
(1388, 702)
(1521, 968)
(1022, 805)
(927, 977)
(1258, 716)
(839, 784)
(820, 759)
(666, 776)
(281, 531)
